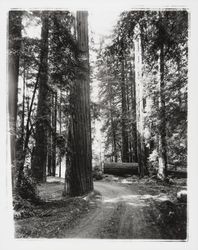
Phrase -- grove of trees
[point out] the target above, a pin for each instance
(49, 88)
(143, 90)
(142, 76)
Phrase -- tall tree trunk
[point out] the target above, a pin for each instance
(115, 154)
(23, 107)
(49, 154)
(81, 159)
(129, 110)
(125, 153)
(40, 153)
(54, 121)
(68, 158)
(133, 113)
(114, 143)
(49, 145)
(139, 102)
(162, 155)
(111, 99)
(20, 139)
(60, 124)
(14, 47)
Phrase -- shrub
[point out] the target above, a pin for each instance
(27, 190)
(97, 173)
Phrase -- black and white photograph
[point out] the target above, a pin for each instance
(97, 123)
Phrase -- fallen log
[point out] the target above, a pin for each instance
(178, 174)
(120, 168)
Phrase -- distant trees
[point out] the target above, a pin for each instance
(151, 43)
(107, 74)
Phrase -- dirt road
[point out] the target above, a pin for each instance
(120, 213)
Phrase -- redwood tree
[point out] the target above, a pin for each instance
(162, 158)
(54, 122)
(139, 101)
(40, 150)
(125, 153)
(81, 152)
(133, 113)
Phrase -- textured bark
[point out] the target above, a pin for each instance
(60, 124)
(114, 142)
(49, 140)
(81, 158)
(139, 102)
(68, 158)
(120, 168)
(125, 150)
(40, 152)
(13, 72)
(54, 122)
(23, 107)
(113, 130)
(133, 114)
(128, 117)
(162, 155)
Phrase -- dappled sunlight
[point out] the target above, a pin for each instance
(125, 181)
(161, 197)
(88, 99)
(135, 200)
(55, 179)
(131, 200)
(134, 204)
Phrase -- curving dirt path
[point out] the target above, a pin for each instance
(119, 213)
(119, 210)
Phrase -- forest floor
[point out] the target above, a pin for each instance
(120, 208)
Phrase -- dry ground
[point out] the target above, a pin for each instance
(121, 208)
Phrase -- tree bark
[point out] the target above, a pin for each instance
(68, 158)
(133, 113)
(60, 125)
(81, 158)
(114, 142)
(162, 154)
(49, 145)
(23, 110)
(139, 102)
(125, 153)
(129, 113)
(40, 153)
(15, 25)
(54, 122)
(120, 168)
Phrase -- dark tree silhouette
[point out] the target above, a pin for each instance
(15, 25)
